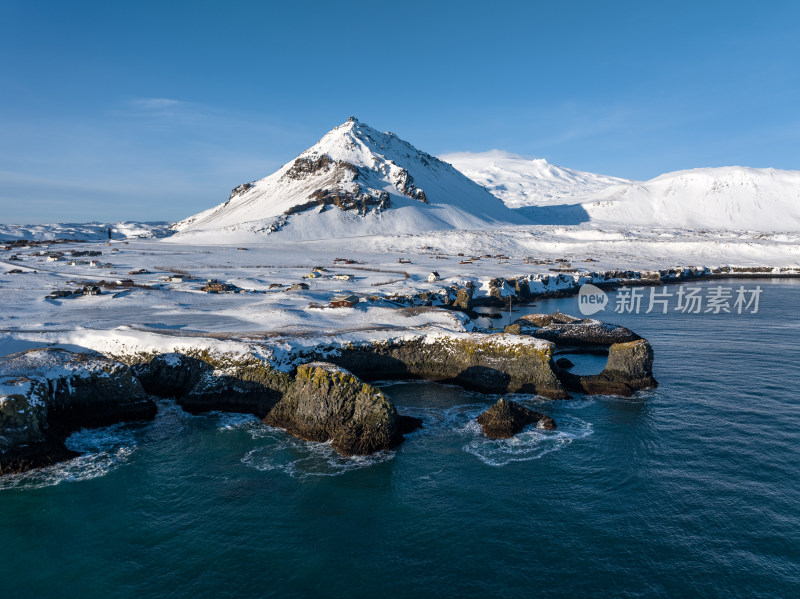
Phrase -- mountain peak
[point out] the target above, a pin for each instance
(357, 170)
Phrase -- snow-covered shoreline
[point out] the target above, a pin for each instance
(153, 312)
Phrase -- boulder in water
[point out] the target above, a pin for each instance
(506, 418)
(328, 403)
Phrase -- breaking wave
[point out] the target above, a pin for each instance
(302, 459)
(104, 450)
(530, 444)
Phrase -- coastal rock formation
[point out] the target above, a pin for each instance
(463, 299)
(565, 363)
(506, 418)
(46, 394)
(564, 329)
(328, 403)
(201, 381)
(630, 358)
(171, 374)
(629, 369)
(492, 363)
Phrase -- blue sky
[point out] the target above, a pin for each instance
(155, 110)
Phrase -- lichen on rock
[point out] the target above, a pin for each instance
(493, 363)
(328, 403)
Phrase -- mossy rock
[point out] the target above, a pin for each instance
(329, 403)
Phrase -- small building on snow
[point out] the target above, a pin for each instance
(344, 301)
(433, 277)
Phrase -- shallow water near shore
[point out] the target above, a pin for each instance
(690, 489)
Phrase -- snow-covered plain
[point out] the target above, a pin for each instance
(170, 315)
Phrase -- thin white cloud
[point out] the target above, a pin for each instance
(156, 103)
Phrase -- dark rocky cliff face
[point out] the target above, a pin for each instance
(49, 393)
(630, 358)
(629, 369)
(488, 363)
(328, 403)
(203, 382)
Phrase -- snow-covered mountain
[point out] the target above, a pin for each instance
(521, 182)
(354, 181)
(358, 181)
(733, 198)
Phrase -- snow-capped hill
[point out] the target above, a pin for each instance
(354, 181)
(84, 231)
(733, 198)
(521, 182)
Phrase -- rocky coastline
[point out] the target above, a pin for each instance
(566, 282)
(324, 395)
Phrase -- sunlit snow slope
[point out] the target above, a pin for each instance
(732, 198)
(735, 198)
(520, 181)
(354, 181)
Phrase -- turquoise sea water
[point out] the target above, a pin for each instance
(692, 489)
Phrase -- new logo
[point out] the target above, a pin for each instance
(591, 299)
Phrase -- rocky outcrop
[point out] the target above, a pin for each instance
(171, 374)
(463, 299)
(46, 394)
(201, 381)
(506, 418)
(565, 363)
(564, 330)
(493, 363)
(630, 358)
(328, 403)
(629, 369)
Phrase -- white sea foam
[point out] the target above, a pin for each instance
(302, 459)
(530, 444)
(228, 421)
(104, 450)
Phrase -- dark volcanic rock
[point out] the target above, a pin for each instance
(328, 403)
(566, 330)
(171, 374)
(629, 369)
(543, 320)
(493, 363)
(46, 394)
(464, 298)
(203, 382)
(507, 418)
(408, 424)
(565, 363)
(630, 358)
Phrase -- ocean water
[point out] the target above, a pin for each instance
(692, 489)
